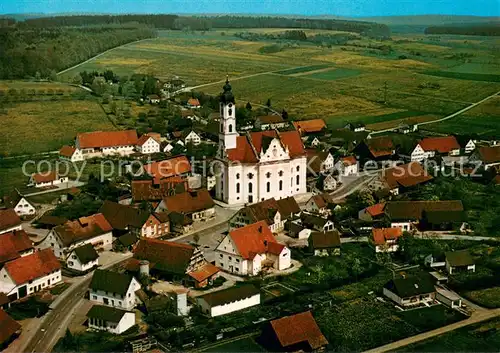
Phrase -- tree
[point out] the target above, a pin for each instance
(248, 106)
(77, 80)
(284, 114)
(99, 85)
(53, 76)
(268, 103)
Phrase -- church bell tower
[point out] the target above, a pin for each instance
(227, 125)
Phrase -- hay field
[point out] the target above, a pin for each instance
(5, 85)
(33, 127)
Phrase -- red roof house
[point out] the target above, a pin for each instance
(385, 239)
(441, 145)
(9, 329)
(176, 166)
(9, 220)
(309, 126)
(100, 139)
(13, 245)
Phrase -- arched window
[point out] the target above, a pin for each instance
(237, 188)
(268, 186)
(238, 176)
(280, 173)
(298, 168)
(250, 176)
(249, 187)
(281, 185)
(230, 128)
(298, 179)
(221, 128)
(268, 175)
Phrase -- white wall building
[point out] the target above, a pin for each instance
(147, 145)
(21, 206)
(105, 143)
(109, 319)
(113, 289)
(83, 258)
(193, 138)
(258, 165)
(9, 221)
(229, 300)
(70, 153)
(347, 166)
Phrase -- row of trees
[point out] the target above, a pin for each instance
(488, 29)
(34, 52)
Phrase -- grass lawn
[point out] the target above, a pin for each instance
(37, 86)
(482, 337)
(334, 74)
(46, 126)
(243, 345)
(488, 298)
(467, 124)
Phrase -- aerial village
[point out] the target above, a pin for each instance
(179, 256)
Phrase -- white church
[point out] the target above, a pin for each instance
(259, 165)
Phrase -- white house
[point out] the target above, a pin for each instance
(469, 147)
(258, 165)
(229, 300)
(410, 291)
(347, 166)
(316, 222)
(270, 122)
(251, 249)
(386, 239)
(41, 180)
(29, 274)
(356, 127)
(9, 221)
(321, 204)
(20, 204)
(113, 320)
(319, 161)
(104, 143)
(83, 258)
(432, 146)
(192, 137)
(113, 289)
(456, 261)
(193, 103)
(147, 145)
(70, 153)
(94, 230)
(153, 99)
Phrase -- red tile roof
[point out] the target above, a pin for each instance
(9, 219)
(204, 272)
(249, 147)
(254, 239)
(376, 210)
(489, 154)
(8, 327)
(147, 190)
(83, 228)
(406, 175)
(189, 202)
(169, 167)
(380, 146)
(143, 139)
(99, 139)
(270, 119)
(440, 144)
(193, 102)
(165, 255)
(298, 328)
(308, 126)
(381, 235)
(67, 151)
(45, 177)
(322, 200)
(36, 265)
(348, 161)
(12, 244)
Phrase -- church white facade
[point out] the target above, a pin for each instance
(258, 165)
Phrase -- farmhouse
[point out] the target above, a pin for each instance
(113, 320)
(322, 204)
(175, 166)
(355, 127)
(13, 245)
(148, 190)
(347, 166)
(9, 328)
(103, 143)
(174, 261)
(193, 103)
(41, 180)
(229, 300)
(83, 258)
(197, 205)
(274, 212)
(19, 203)
(9, 220)
(375, 149)
(489, 156)
(70, 153)
(315, 222)
(295, 333)
(270, 122)
(386, 239)
(313, 126)
(147, 144)
(467, 144)
(30, 274)
(457, 261)
(258, 165)
(251, 249)
(113, 289)
(404, 176)
(410, 291)
(372, 213)
(409, 214)
(94, 229)
(297, 230)
(192, 137)
(319, 162)
(324, 243)
(435, 146)
(153, 99)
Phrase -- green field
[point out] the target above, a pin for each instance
(483, 337)
(334, 74)
(242, 345)
(302, 69)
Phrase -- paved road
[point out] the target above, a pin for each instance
(475, 318)
(451, 116)
(54, 323)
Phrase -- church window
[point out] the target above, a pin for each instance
(268, 175)
(280, 173)
(230, 112)
(268, 186)
(237, 188)
(250, 176)
(281, 185)
(298, 168)
(230, 128)
(249, 187)
(237, 175)
(298, 179)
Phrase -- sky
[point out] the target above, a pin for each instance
(350, 8)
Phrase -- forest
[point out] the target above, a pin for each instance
(487, 29)
(41, 52)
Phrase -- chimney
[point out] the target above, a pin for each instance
(144, 268)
